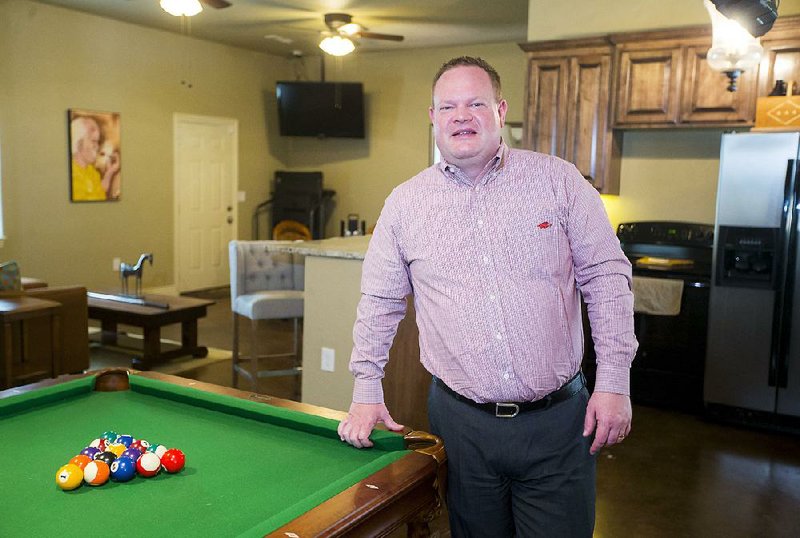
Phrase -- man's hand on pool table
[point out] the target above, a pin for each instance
(360, 421)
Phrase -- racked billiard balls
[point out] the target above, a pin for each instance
(69, 476)
(122, 469)
(96, 473)
(106, 457)
(148, 465)
(173, 460)
(80, 460)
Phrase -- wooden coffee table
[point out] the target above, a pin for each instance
(183, 310)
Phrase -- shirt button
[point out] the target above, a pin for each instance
(480, 224)
(506, 375)
(486, 260)
(498, 336)
(492, 297)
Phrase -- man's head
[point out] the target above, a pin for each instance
(85, 135)
(468, 113)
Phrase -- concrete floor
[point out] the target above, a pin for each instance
(677, 475)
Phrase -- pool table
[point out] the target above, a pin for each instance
(255, 465)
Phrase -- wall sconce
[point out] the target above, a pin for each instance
(178, 8)
(337, 45)
(733, 49)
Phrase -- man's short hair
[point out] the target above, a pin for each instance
(474, 62)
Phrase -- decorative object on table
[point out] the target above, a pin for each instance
(10, 279)
(94, 149)
(780, 110)
(352, 227)
(126, 270)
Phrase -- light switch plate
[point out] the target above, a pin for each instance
(328, 359)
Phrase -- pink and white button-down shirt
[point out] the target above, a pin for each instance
(495, 267)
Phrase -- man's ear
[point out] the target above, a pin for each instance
(502, 108)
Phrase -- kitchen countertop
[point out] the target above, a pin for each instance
(353, 248)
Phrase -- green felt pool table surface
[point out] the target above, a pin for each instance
(251, 468)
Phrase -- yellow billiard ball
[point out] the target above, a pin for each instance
(69, 477)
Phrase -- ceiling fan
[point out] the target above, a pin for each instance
(339, 40)
(343, 25)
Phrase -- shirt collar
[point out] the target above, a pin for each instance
(495, 163)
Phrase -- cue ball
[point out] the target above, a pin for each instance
(173, 460)
(69, 477)
(96, 473)
(122, 469)
(148, 465)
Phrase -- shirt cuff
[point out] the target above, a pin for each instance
(612, 378)
(368, 391)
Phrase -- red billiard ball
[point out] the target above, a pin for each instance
(148, 465)
(173, 460)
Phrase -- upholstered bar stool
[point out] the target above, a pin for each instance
(265, 285)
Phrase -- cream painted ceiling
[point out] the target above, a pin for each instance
(284, 27)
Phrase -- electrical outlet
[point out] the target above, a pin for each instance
(328, 359)
(116, 263)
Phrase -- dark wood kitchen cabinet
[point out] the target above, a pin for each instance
(664, 80)
(567, 107)
(781, 59)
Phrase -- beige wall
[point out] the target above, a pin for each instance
(52, 59)
(665, 176)
(397, 145)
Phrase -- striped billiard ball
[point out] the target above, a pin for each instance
(96, 473)
(148, 465)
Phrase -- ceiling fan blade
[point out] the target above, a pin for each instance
(217, 4)
(384, 37)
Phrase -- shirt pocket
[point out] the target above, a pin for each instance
(533, 245)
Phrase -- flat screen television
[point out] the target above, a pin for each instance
(321, 109)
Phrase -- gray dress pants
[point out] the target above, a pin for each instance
(527, 476)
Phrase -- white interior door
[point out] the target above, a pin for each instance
(206, 180)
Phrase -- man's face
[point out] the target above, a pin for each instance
(89, 146)
(467, 117)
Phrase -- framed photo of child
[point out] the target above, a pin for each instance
(95, 156)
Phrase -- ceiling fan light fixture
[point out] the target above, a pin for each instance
(733, 49)
(337, 45)
(350, 28)
(178, 8)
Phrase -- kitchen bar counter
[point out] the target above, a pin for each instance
(349, 248)
(332, 291)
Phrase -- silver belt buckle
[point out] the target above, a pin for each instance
(507, 406)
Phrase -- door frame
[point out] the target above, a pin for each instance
(233, 125)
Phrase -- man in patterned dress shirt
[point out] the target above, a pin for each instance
(497, 246)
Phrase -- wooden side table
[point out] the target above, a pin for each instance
(18, 310)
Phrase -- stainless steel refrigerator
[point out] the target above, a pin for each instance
(752, 370)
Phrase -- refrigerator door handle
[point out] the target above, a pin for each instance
(784, 294)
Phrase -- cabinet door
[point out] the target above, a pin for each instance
(547, 107)
(588, 116)
(705, 98)
(649, 84)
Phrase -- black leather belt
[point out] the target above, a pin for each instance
(512, 409)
